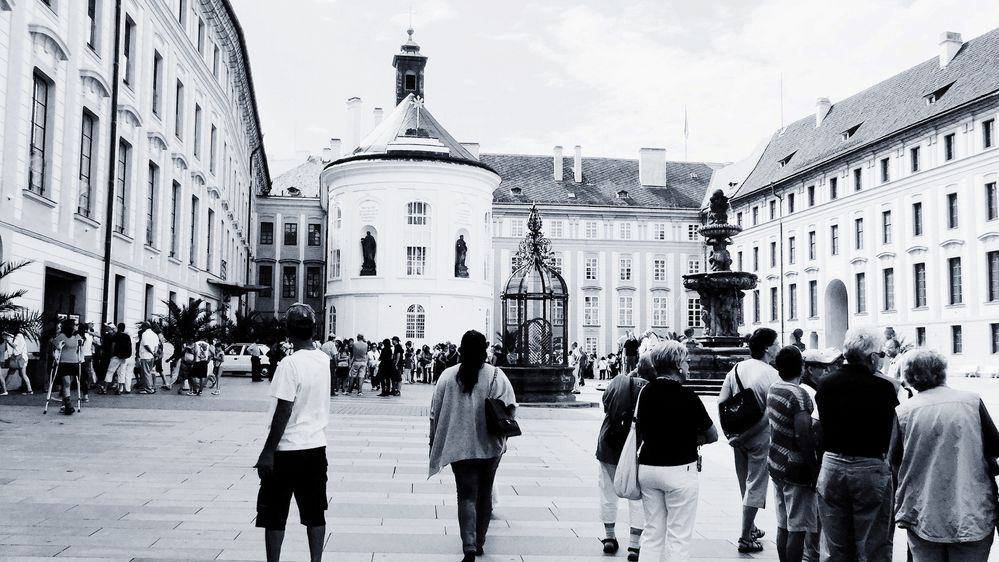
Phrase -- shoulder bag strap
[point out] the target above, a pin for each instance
(737, 381)
(493, 383)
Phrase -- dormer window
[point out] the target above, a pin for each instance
(693, 175)
(783, 161)
(935, 95)
(622, 194)
(516, 190)
(849, 132)
(571, 195)
(294, 192)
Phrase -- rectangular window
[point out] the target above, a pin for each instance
(517, 228)
(590, 229)
(121, 187)
(886, 227)
(813, 299)
(128, 48)
(157, 84)
(197, 131)
(811, 195)
(660, 316)
(858, 234)
(954, 277)
(265, 277)
(213, 148)
(774, 304)
(914, 159)
(861, 286)
(991, 204)
(193, 260)
(833, 188)
(87, 131)
(315, 234)
(956, 339)
(694, 313)
(693, 231)
(182, 12)
(92, 25)
(335, 264)
(556, 263)
(693, 266)
(992, 265)
(738, 260)
(811, 245)
(201, 36)
(919, 284)
(266, 233)
(773, 254)
(416, 260)
(174, 218)
(152, 188)
(888, 295)
(988, 133)
(995, 337)
(625, 231)
(179, 112)
(625, 269)
(949, 147)
(756, 258)
(313, 280)
(834, 239)
(659, 231)
(792, 301)
(416, 213)
(738, 218)
(290, 234)
(590, 345)
(591, 269)
(658, 269)
(209, 246)
(773, 210)
(557, 229)
(625, 311)
(790, 250)
(756, 306)
(558, 313)
(756, 216)
(917, 219)
(952, 210)
(215, 61)
(790, 203)
(858, 179)
(885, 170)
(591, 311)
(920, 335)
(289, 282)
(38, 156)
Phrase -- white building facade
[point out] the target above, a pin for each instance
(188, 155)
(882, 210)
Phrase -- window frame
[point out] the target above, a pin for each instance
(290, 234)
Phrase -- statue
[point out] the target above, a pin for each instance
(719, 208)
(368, 248)
(460, 252)
(720, 259)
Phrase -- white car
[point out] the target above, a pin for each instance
(237, 359)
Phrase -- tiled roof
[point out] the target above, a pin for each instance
(304, 177)
(686, 182)
(410, 119)
(881, 110)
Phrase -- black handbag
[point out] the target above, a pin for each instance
(499, 420)
(740, 411)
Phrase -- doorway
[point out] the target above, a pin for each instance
(837, 313)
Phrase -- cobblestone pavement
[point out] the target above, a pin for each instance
(168, 477)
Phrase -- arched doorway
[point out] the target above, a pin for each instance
(837, 313)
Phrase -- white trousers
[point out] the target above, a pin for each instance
(669, 496)
(123, 368)
(609, 500)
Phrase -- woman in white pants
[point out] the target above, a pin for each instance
(671, 423)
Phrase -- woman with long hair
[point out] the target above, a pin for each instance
(17, 356)
(459, 436)
(386, 367)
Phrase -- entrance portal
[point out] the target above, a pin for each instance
(837, 313)
(65, 296)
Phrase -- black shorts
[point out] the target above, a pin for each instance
(299, 473)
(200, 370)
(69, 370)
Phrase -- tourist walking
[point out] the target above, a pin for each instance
(630, 351)
(342, 367)
(358, 364)
(671, 424)
(943, 450)
(149, 343)
(792, 459)
(121, 362)
(750, 447)
(293, 460)
(619, 401)
(17, 357)
(255, 363)
(67, 348)
(459, 436)
(202, 356)
(857, 414)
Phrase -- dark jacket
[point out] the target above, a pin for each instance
(619, 402)
(122, 345)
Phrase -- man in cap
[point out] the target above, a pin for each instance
(293, 460)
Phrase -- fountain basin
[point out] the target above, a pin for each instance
(720, 280)
(719, 230)
(541, 384)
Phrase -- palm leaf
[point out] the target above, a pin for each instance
(14, 316)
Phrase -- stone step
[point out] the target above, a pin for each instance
(705, 387)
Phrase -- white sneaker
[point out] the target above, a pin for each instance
(4, 393)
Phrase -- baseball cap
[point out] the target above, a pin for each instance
(826, 356)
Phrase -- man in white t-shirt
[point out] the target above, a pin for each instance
(149, 343)
(293, 461)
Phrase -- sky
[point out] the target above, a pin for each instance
(611, 76)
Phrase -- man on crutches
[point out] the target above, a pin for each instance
(67, 350)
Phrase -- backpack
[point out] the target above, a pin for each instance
(740, 411)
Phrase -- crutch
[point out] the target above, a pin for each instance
(48, 396)
(79, 388)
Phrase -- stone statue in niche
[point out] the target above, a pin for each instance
(368, 249)
(460, 253)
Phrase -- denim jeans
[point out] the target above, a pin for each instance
(473, 479)
(855, 498)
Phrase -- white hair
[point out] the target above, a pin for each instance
(860, 342)
(668, 355)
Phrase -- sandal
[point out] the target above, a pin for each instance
(750, 545)
(633, 554)
(757, 533)
(610, 546)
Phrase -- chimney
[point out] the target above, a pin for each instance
(950, 44)
(557, 153)
(377, 117)
(327, 155)
(335, 147)
(354, 116)
(577, 165)
(472, 147)
(652, 167)
(822, 107)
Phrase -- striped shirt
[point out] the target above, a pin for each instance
(786, 462)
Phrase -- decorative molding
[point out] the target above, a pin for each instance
(659, 289)
(987, 235)
(45, 37)
(214, 190)
(951, 242)
(885, 255)
(198, 175)
(772, 277)
(858, 260)
(130, 115)
(180, 161)
(95, 81)
(790, 274)
(630, 288)
(811, 269)
(916, 249)
(155, 138)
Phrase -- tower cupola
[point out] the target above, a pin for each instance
(409, 66)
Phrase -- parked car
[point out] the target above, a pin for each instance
(237, 359)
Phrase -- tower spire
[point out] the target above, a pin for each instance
(409, 66)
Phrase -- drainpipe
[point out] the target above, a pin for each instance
(249, 221)
(112, 162)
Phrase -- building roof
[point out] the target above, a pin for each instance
(603, 178)
(412, 128)
(304, 177)
(882, 110)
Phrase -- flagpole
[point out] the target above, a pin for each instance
(686, 133)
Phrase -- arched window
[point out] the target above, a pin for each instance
(415, 322)
(417, 213)
(332, 322)
(339, 217)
